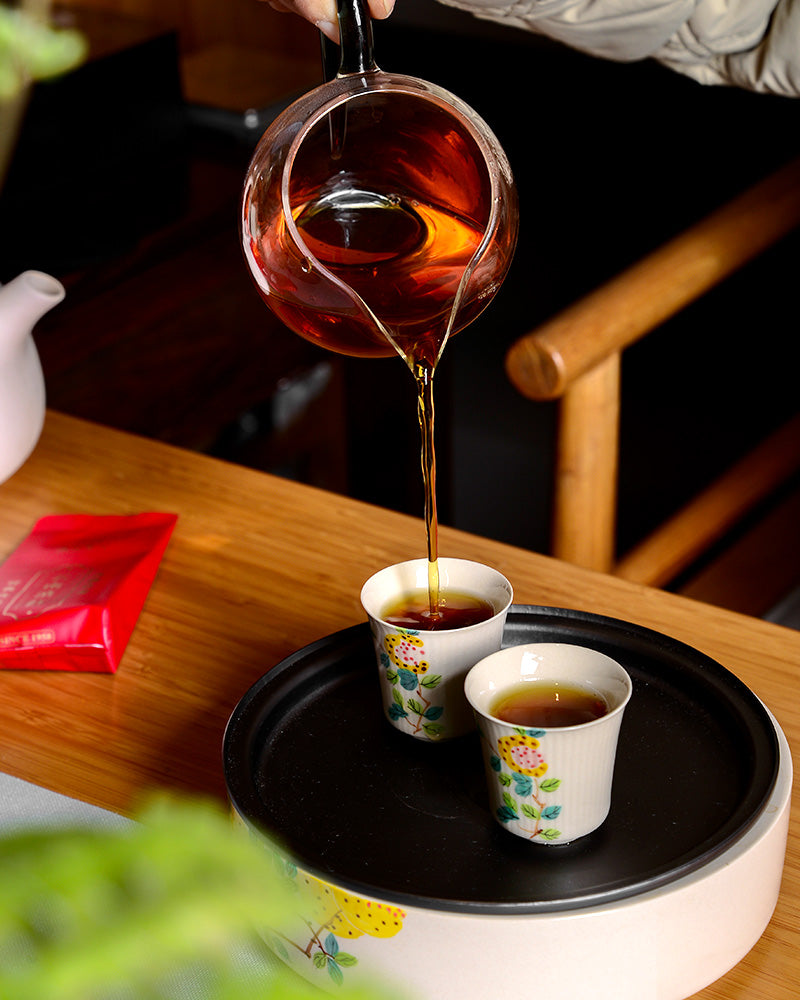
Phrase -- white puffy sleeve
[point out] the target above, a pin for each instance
(754, 44)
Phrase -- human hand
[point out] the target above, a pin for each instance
(322, 13)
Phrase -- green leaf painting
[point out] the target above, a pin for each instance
(525, 793)
(413, 706)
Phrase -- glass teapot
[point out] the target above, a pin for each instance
(379, 212)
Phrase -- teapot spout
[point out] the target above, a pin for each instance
(24, 300)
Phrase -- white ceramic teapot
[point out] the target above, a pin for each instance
(23, 301)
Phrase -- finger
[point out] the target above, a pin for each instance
(380, 9)
(321, 13)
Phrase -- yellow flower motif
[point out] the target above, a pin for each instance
(406, 652)
(347, 915)
(522, 755)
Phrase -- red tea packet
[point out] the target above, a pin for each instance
(71, 593)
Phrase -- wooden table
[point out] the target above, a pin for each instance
(258, 567)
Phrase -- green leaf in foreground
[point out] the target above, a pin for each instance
(32, 50)
(131, 912)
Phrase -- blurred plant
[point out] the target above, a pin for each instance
(30, 49)
(143, 911)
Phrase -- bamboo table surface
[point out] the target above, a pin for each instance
(257, 568)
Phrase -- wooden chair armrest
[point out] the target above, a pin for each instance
(542, 364)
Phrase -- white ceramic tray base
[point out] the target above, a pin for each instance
(666, 944)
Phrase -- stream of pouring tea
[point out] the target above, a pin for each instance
(406, 261)
(423, 376)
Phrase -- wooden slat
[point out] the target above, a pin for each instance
(759, 569)
(586, 468)
(709, 516)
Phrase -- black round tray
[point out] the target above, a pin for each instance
(310, 760)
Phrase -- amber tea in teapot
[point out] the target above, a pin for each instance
(389, 244)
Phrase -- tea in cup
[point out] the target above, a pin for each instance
(423, 657)
(549, 716)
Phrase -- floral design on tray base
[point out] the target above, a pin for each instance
(527, 793)
(330, 919)
(407, 670)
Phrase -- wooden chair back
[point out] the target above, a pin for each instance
(576, 358)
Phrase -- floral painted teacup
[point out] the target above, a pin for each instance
(549, 781)
(422, 671)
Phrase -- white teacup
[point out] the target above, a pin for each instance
(549, 783)
(422, 672)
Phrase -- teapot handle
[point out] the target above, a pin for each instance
(355, 53)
